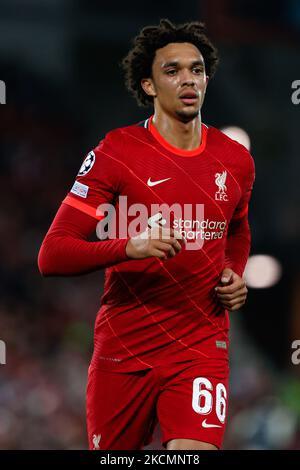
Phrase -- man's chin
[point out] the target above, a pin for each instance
(187, 115)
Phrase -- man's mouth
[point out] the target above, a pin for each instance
(189, 97)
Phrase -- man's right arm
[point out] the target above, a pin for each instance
(67, 251)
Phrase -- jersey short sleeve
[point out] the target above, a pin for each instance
(98, 178)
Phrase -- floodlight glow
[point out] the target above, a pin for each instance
(262, 271)
(238, 134)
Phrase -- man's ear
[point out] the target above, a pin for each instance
(148, 87)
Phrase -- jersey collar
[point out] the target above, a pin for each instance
(171, 148)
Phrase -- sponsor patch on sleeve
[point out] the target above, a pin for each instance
(80, 189)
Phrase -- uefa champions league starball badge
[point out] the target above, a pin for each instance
(87, 164)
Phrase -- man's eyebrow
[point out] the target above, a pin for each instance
(174, 63)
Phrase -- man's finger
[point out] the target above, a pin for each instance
(170, 242)
(231, 303)
(230, 289)
(227, 275)
(236, 306)
(159, 254)
(235, 295)
(166, 247)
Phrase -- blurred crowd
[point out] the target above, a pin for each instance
(46, 324)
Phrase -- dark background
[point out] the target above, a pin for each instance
(60, 63)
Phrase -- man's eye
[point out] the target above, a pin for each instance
(171, 72)
(198, 70)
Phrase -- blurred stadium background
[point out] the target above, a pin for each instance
(59, 60)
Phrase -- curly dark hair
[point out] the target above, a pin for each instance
(137, 64)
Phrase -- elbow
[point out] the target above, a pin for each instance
(42, 265)
(43, 261)
(44, 272)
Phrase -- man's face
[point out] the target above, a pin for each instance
(178, 82)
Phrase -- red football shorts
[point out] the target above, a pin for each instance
(189, 399)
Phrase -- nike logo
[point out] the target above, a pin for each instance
(154, 183)
(206, 425)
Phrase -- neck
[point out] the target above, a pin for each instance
(184, 135)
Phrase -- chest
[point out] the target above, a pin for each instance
(183, 182)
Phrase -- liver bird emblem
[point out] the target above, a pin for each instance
(220, 179)
(96, 441)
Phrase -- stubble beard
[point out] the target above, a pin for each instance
(187, 116)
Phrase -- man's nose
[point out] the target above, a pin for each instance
(187, 78)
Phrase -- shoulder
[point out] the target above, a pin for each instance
(116, 138)
(231, 149)
(113, 149)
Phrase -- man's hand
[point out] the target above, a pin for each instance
(233, 291)
(160, 242)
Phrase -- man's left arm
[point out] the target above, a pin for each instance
(232, 291)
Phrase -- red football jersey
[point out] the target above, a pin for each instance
(155, 311)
